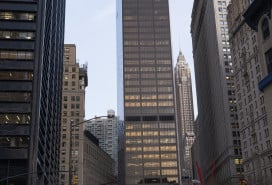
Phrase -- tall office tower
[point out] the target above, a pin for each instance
(254, 126)
(31, 46)
(185, 115)
(74, 83)
(146, 92)
(106, 131)
(217, 113)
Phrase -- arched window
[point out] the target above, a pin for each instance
(265, 29)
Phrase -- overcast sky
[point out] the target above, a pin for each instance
(91, 25)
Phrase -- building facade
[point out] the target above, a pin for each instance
(249, 48)
(75, 81)
(146, 92)
(98, 166)
(219, 130)
(106, 131)
(31, 47)
(185, 115)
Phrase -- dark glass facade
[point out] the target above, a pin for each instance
(31, 57)
(145, 75)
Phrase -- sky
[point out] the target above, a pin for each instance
(91, 25)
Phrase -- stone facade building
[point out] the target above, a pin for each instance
(248, 49)
(75, 81)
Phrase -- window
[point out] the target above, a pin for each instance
(265, 29)
(268, 57)
(16, 75)
(21, 16)
(14, 118)
(16, 55)
(16, 35)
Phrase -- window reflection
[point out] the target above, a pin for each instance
(15, 75)
(15, 96)
(24, 16)
(16, 55)
(169, 156)
(151, 164)
(151, 156)
(151, 149)
(14, 118)
(168, 148)
(16, 35)
(169, 172)
(14, 142)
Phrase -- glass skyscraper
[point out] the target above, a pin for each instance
(31, 57)
(146, 92)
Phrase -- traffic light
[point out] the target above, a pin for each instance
(75, 180)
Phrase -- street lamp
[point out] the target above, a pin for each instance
(71, 177)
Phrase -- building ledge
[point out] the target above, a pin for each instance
(265, 82)
(255, 12)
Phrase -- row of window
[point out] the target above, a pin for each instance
(149, 97)
(145, 125)
(147, 75)
(15, 97)
(152, 156)
(14, 118)
(73, 106)
(151, 133)
(148, 82)
(151, 148)
(147, 62)
(16, 35)
(16, 55)
(134, 49)
(147, 55)
(145, 18)
(150, 104)
(146, 42)
(14, 142)
(73, 98)
(146, 30)
(19, 16)
(151, 141)
(148, 69)
(148, 89)
(16, 75)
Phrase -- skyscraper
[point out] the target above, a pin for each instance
(146, 92)
(219, 137)
(31, 57)
(185, 115)
(75, 80)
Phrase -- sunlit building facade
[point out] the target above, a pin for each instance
(146, 92)
(31, 57)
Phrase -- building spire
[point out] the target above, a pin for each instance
(181, 58)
